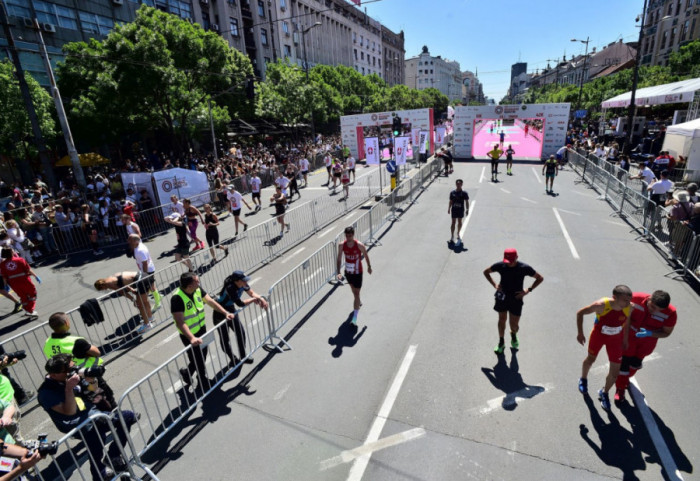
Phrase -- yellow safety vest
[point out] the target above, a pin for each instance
(65, 345)
(194, 310)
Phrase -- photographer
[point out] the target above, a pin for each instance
(25, 460)
(85, 355)
(61, 396)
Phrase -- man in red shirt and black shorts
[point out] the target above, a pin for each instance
(354, 251)
(653, 317)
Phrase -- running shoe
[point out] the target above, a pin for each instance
(226, 252)
(604, 400)
(156, 306)
(18, 307)
(583, 385)
(33, 315)
(185, 375)
(245, 227)
(620, 396)
(514, 343)
(144, 328)
(499, 349)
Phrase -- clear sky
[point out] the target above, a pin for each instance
(492, 35)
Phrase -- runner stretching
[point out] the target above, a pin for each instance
(353, 251)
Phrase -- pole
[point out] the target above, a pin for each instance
(213, 135)
(583, 72)
(75, 160)
(635, 78)
(28, 104)
(272, 31)
(306, 67)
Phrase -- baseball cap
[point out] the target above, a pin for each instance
(239, 276)
(510, 256)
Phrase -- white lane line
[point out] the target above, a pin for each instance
(603, 368)
(616, 223)
(162, 343)
(289, 257)
(313, 275)
(280, 394)
(349, 215)
(512, 399)
(327, 231)
(481, 177)
(539, 181)
(466, 221)
(572, 248)
(360, 464)
(528, 200)
(389, 441)
(254, 281)
(506, 191)
(569, 212)
(656, 437)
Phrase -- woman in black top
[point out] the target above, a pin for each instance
(211, 226)
(280, 202)
(291, 174)
(191, 212)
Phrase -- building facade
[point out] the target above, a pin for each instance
(394, 53)
(669, 24)
(472, 89)
(426, 71)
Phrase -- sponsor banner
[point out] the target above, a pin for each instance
(400, 149)
(440, 135)
(183, 183)
(423, 141)
(139, 181)
(372, 150)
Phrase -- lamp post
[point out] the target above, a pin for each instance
(583, 71)
(635, 78)
(306, 68)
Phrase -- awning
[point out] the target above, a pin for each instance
(673, 93)
(86, 160)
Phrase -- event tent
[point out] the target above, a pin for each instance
(673, 93)
(684, 139)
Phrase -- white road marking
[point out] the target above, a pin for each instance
(569, 212)
(506, 191)
(466, 221)
(389, 441)
(603, 368)
(327, 231)
(483, 171)
(280, 394)
(572, 248)
(159, 345)
(349, 215)
(583, 194)
(360, 464)
(656, 437)
(289, 257)
(539, 181)
(528, 200)
(254, 281)
(313, 275)
(512, 398)
(616, 223)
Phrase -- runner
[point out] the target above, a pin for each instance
(283, 183)
(280, 201)
(458, 199)
(291, 174)
(351, 167)
(234, 204)
(509, 159)
(182, 249)
(147, 268)
(494, 154)
(552, 170)
(353, 251)
(211, 231)
(502, 136)
(192, 213)
(328, 162)
(509, 294)
(527, 128)
(16, 273)
(304, 166)
(255, 185)
(337, 172)
(610, 329)
(345, 181)
(653, 317)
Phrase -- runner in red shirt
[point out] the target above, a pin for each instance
(611, 330)
(653, 318)
(16, 271)
(354, 251)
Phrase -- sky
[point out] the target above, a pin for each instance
(490, 36)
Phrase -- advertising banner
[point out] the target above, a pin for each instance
(372, 150)
(139, 181)
(400, 148)
(183, 183)
(440, 135)
(423, 141)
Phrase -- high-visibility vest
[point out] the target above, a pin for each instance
(65, 345)
(195, 318)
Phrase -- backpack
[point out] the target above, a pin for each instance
(90, 312)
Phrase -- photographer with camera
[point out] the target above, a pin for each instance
(62, 397)
(85, 355)
(24, 459)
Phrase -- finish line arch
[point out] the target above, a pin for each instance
(469, 120)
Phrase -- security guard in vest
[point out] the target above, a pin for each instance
(84, 355)
(187, 308)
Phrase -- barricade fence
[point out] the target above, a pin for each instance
(629, 198)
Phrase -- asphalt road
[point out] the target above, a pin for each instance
(418, 393)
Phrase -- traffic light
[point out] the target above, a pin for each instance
(396, 126)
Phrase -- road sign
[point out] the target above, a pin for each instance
(581, 114)
(391, 166)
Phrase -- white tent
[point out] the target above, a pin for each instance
(684, 139)
(673, 93)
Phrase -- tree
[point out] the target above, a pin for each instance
(162, 70)
(15, 129)
(686, 62)
(286, 95)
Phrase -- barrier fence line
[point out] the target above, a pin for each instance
(628, 197)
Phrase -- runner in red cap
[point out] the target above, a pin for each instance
(509, 294)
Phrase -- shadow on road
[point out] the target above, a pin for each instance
(347, 336)
(507, 378)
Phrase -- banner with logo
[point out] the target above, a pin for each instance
(372, 150)
(183, 183)
(139, 181)
(415, 137)
(423, 141)
(440, 135)
(400, 149)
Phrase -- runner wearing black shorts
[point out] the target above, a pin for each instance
(458, 208)
(211, 226)
(353, 251)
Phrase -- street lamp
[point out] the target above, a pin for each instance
(635, 77)
(583, 71)
(306, 67)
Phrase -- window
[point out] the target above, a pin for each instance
(670, 9)
(55, 14)
(380, 62)
(97, 24)
(354, 50)
(287, 51)
(368, 59)
(664, 37)
(233, 26)
(363, 70)
(673, 36)
(692, 29)
(285, 27)
(261, 8)
(263, 36)
(354, 37)
(267, 60)
(283, 4)
(374, 61)
(206, 22)
(19, 8)
(181, 8)
(362, 55)
(231, 3)
(684, 30)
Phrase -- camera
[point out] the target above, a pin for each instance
(94, 371)
(42, 445)
(19, 355)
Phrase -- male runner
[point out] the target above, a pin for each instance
(456, 207)
(502, 137)
(354, 251)
(350, 164)
(509, 294)
(328, 162)
(494, 154)
(509, 160)
(551, 166)
(653, 317)
(234, 206)
(610, 329)
(304, 167)
(255, 185)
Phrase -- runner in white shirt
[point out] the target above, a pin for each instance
(283, 183)
(255, 185)
(234, 206)
(350, 164)
(328, 161)
(304, 167)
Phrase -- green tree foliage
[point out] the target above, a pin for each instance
(162, 69)
(15, 128)
(686, 62)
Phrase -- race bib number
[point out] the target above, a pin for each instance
(350, 268)
(610, 330)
